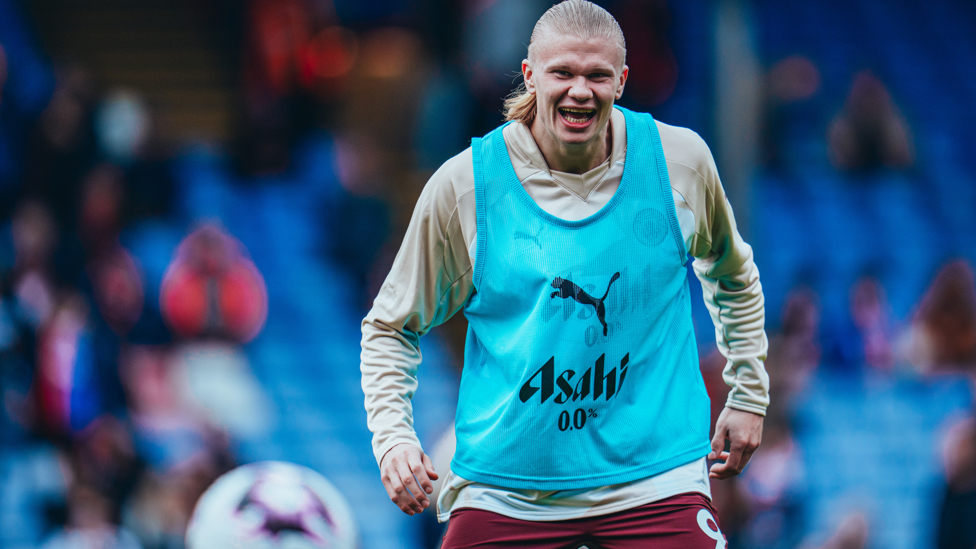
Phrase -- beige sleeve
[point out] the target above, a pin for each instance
(429, 282)
(725, 267)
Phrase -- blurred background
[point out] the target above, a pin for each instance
(199, 199)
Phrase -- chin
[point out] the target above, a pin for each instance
(570, 137)
(576, 139)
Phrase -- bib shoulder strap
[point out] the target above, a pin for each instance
(645, 143)
(483, 150)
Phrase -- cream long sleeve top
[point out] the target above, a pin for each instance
(431, 278)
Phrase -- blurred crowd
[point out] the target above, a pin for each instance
(115, 413)
(765, 506)
(121, 394)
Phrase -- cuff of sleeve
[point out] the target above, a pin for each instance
(745, 406)
(380, 451)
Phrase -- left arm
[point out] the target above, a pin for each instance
(733, 294)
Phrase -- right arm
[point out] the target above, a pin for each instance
(429, 282)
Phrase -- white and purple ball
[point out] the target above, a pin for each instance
(272, 505)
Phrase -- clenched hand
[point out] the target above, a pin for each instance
(407, 473)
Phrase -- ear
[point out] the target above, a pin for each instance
(527, 76)
(623, 80)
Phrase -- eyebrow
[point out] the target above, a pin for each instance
(565, 66)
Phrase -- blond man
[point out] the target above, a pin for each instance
(563, 236)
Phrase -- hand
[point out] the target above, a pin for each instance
(406, 472)
(744, 429)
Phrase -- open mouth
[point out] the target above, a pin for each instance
(576, 116)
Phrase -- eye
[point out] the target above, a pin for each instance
(562, 73)
(599, 76)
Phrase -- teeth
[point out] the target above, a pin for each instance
(570, 110)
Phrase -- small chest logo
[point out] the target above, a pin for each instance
(566, 289)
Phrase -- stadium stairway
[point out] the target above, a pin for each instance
(168, 51)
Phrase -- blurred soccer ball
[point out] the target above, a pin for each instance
(269, 505)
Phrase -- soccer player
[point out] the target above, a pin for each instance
(563, 235)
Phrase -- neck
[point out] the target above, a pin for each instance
(575, 158)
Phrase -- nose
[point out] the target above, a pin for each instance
(580, 91)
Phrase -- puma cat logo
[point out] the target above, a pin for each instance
(522, 235)
(566, 288)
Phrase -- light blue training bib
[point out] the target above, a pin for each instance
(580, 366)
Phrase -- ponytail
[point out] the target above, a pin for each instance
(520, 106)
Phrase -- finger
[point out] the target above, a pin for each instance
(747, 454)
(721, 470)
(420, 475)
(429, 465)
(388, 484)
(735, 456)
(718, 442)
(416, 495)
(398, 492)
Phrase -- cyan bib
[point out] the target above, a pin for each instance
(580, 366)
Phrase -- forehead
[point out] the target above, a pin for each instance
(562, 49)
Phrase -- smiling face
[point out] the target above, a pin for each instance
(575, 81)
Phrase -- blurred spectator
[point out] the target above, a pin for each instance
(122, 127)
(103, 458)
(772, 486)
(128, 137)
(62, 146)
(872, 319)
(278, 31)
(215, 299)
(35, 239)
(214, 381)
(957, 527)
(16, 369)
(89, 524)
(212, 290)
(163, 503)
(944, 338)
(110, 270)
(67, 387)
(852, 533)
(297, 62)
(77, 377)
(870, 133)
(183, 454)
(653, 66)
(795, 352)
(944, 327)
(867, 340)
(788, 86)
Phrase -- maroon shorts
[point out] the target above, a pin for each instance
(686, 521)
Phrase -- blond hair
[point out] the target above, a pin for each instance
(578, 18)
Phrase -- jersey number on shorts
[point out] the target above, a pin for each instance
(709, 525)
